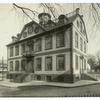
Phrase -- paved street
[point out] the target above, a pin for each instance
(91, 90)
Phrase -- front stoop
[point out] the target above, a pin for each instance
(86, 76)
(26, 77)
(22, 77)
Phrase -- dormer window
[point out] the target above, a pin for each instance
(36, 30)
(30, 30)
(25, 34)
(62, 19)
(44, 18)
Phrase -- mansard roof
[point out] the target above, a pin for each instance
(54, 25)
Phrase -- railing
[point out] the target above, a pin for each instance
(28, 54)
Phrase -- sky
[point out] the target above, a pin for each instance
(12, 22)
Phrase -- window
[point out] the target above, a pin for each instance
(61, 62)
(16, 65)
(81, 44)
(38, 64)
(48, 62)
(60, 40)
(11, 51)
(23, 64)
(11, 66)
(30, 30)
(81, 26)
(38, 77)
(77, 23)
(48, 42)
(36, 30)
(84, 64)
(30, 47)
(23, 48)
(38, 45)
(76, 62)
(16, 50)
(24, 34)
(84, 47)
(76, 40)
(30, 44)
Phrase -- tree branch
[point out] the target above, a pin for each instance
(24, 10)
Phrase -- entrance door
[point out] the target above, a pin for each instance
(30, 66)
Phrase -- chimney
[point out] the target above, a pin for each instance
(44, 18)
(77, 10)
(14, 38)
(18, 35)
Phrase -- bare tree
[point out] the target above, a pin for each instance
(24, 10)
(94, 13)
(52, 8)
(48, 7)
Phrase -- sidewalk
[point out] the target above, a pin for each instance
(15, 85)
(38, 83)
(72, 85)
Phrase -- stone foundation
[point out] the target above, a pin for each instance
(64, 78)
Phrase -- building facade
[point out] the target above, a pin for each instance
(51, 50)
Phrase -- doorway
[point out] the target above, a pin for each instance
(30, 65)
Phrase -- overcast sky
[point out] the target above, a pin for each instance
(11, 23)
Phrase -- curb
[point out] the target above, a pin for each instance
(72, 86)
(75, 86)
(8, 86)
(52, 85)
